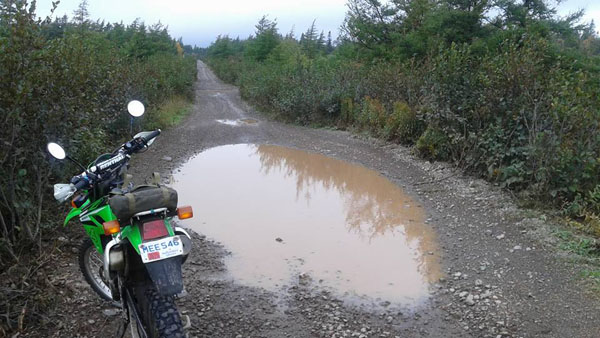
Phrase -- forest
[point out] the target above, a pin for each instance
(507, 90)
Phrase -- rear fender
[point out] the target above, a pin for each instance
(166, 273)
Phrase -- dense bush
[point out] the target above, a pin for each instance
(403, 124)
(515, 100)
(69, 82)
(522, 120)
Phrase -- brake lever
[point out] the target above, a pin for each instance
(91, 175)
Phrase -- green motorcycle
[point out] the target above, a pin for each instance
(134, 253)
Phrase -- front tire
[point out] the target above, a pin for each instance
(91, 265)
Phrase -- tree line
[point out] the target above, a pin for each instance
(507, 90)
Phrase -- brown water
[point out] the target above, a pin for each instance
(284, 212)
(238, 122)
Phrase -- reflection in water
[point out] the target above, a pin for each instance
(239, 122)
(282, 212)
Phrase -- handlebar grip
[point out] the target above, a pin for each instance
(152, 135)
(82, 183)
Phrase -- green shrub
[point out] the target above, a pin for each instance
(594, 200)
(434, 145)
(403, 124)
(227, 70)
(169, 113)
(371, 116)
(347, 112)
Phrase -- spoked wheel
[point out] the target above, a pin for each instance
(92, 267)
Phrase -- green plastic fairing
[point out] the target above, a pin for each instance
(75, 212)
(96, 217)
(132, 233)
(95, 232)
(169, 228)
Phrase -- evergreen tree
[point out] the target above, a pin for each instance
(81, 14)
(321, 42)
(291, 34)
(329, 46)
(310, 41)
(265, 40)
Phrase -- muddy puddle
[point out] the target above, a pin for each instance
(238, 122)
(285, 213)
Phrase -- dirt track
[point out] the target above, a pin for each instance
(502, 279)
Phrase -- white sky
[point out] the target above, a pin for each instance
(198, 22)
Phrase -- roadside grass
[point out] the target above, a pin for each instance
(593, 276)
(169, 113)
(584, 252)
(581, 245)
(589, 223)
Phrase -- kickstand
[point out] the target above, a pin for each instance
(122, 328)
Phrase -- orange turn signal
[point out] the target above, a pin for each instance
(111, 227)
(185, 212)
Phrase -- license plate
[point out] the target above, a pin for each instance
(161, 249)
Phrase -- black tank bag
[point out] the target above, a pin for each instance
(142, 198)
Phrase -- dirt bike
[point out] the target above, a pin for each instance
(134, 253)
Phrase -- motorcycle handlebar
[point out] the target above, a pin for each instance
(140, 142)
(152, 135)
(82, 183)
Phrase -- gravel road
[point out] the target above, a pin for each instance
(503, 278)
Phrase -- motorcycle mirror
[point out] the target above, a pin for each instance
(56, 151)
(135, 108)
(59, 153)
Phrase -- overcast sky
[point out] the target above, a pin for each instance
(198, 22)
